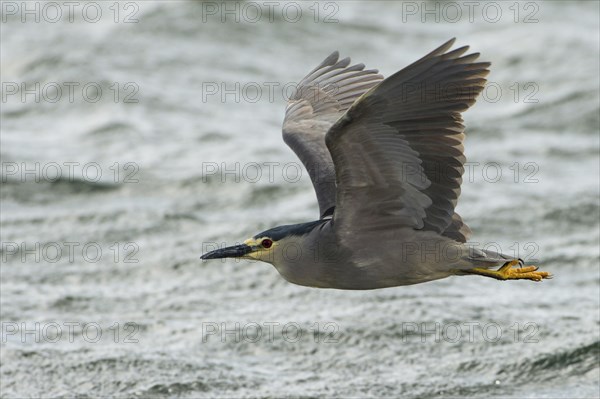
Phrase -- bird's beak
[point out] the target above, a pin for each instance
(237, 251)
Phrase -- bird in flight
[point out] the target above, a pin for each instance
(385, 157)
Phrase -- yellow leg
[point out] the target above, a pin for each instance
(509, 272)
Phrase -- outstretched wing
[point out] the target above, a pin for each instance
(398, 151)
(317, 103)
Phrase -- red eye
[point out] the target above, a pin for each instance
(266, 243)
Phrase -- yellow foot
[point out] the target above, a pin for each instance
(509, 272)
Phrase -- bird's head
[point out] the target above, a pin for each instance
(268, 246)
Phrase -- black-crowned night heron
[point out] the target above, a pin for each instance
(385, 157)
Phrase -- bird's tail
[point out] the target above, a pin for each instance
(487, 259)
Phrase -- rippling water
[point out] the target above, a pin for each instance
(153, 137)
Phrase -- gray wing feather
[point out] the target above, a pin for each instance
(398, 150)
(458, 230)
(318, 101)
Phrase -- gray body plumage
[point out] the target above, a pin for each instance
(385, 157)
(404, 256)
